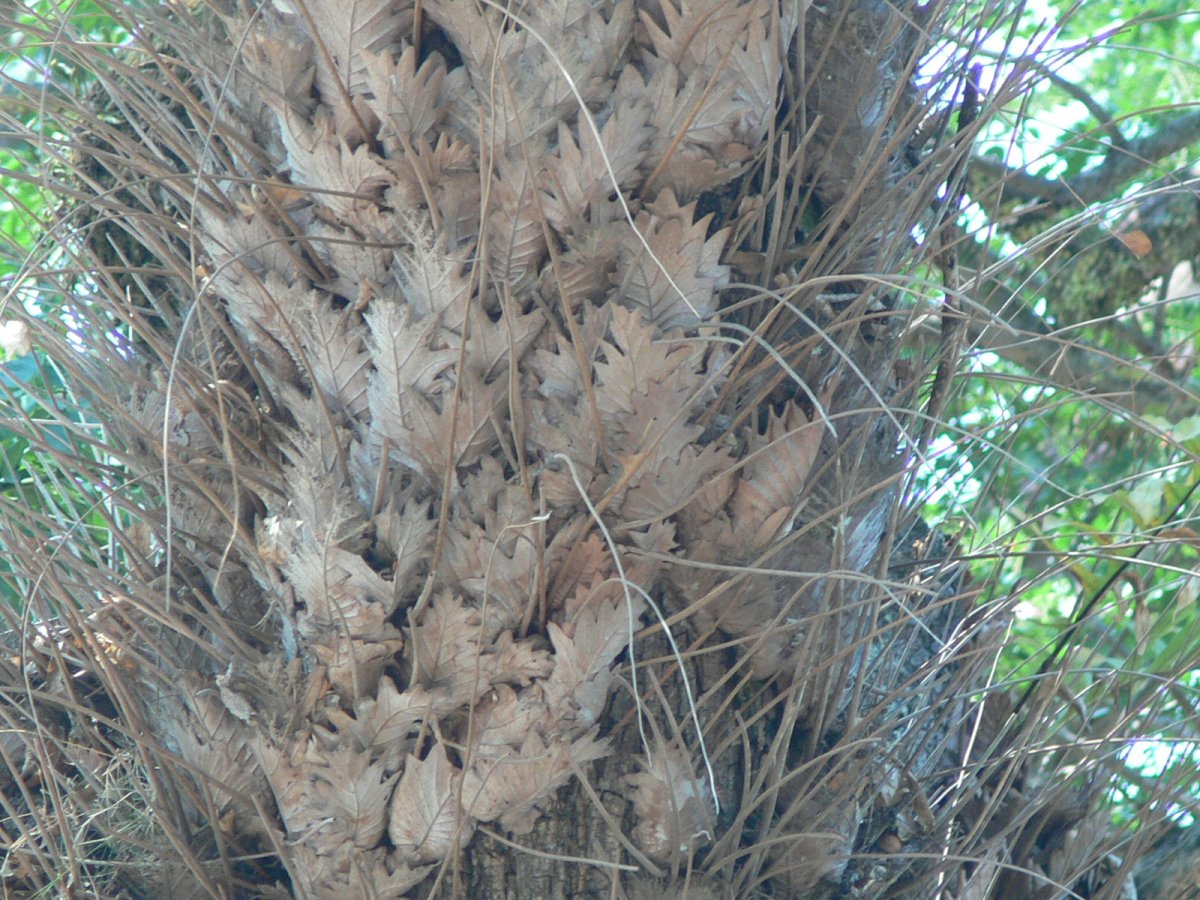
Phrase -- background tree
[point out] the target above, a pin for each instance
(459, 449)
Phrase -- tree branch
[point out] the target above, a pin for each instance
(1058, 359)
(1060, 356)
(1000, 181)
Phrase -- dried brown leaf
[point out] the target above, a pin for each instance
(346, 30)
(408, 100)
(490, 344)
(516, 239)
(341, 592)
(510, 786)
(353, 667)
(506, 717)
(355, 790)
(283, 62)
(695, 127)
(584, 650)
(641, 380)
(328, 346)
(579, 566)
(411, 396)
(387, 720)
(432, 278)
(390, 878)
(496, 569)
(405, 535)
(220, 746)
(426, 823)
(450, 171)
(712, 38)
(670, 478)
(338, 179)
(445, 649)
(517, 662)
(680, 251)
(772, 479)
(577, 179)
(408, 354)
(672, 805)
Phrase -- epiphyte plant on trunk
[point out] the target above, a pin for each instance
(506, 418)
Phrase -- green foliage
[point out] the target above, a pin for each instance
(31, 389)
(1129, 60)
(1080, 509)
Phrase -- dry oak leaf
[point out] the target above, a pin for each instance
(506, 717)
(584, 649)
(577, 180)
(339, 179)
(516, 236)
(356, 791)
(641, 380)
(317, 495)
(707, 506)
(713, 35)
(433, 279)
(345, 31)
(586, 269)
(339, 590)
(408, 100)
(490, 344)
(291, 769)
(510, 786)
(657, 538)
(536, 95)
(333, 352)
(591, 46)
(283, 62)
(348, 871)
(359, 270)
(674, 276)
(405, 536)
(387, 720)
(673, 806)
(557, 371)
(517, 662)
(328, 345)
(533, 95)
(578, 567)
(217, 744)
(496, 575)
(255, 302)
(335, 589)
(698, 34)
(354, 667)
(671, 477)
(450, 171)
(565, 432)
(775, 473)
(708, 154)
(445, 650)
(410, 354)
(426, 822)
(419, 428)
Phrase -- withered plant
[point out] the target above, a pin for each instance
(479, 446)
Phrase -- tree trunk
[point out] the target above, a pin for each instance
(475, 343)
